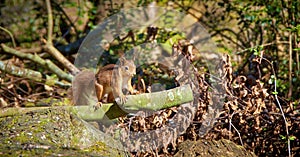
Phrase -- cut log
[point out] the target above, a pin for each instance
(147, 101)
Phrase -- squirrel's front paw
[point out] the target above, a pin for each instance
(121, 100)
(97, 105)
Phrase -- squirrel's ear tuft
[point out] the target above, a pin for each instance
(122, 60)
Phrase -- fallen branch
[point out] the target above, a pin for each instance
(20, 72)
(46, 63)
(57, 55)
(25, 73)
(150, 101)
(159, 100)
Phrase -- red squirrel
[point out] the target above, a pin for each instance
(112, 79)
(107, 84)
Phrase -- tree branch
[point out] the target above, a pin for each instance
(290, 92)
(46, 63)
(20, 72)
(62, 59)
(50, 22)
(26, 73)
(10, 34)
(149, 101)
(49, 45)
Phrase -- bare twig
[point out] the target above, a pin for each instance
(10, 34)
(281, 110)
(290, 67)
(47, 63)
(32, 50)
(263, 45)
(230, 124)
(50, 22)
(49, 45)
(237, 133)
(297, 58)
(62, 59)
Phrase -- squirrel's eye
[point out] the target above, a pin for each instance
(126, 68)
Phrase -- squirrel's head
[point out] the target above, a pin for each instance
(128, 67)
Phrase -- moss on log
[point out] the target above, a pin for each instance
(160, 100)
(53, 132)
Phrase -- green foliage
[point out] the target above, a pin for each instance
(292, 138)
(253, 27)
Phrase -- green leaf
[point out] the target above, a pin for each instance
(292, 138)
(50, 80)
(174, 39)
(296, 49)
(282, 137)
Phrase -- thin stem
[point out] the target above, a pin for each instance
(290, 67)
(281, 110)
(263, 45)
(237, 132)
(50, 22)
(10, 34)
(230, 124)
